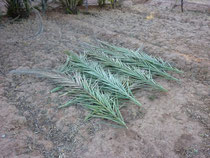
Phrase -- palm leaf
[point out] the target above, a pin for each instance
(138, 59)
(143, 78)
(106, 80)
(85, 93)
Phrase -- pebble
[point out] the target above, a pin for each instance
(3, 135)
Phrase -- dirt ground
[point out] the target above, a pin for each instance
(169, 125)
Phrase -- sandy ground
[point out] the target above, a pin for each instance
(169, 125)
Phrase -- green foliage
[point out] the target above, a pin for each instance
(44, 5)
(139, 59)
(101, 3)
(80, 3)
(70, 6)
(113, 3)
(107, 81)
(142, 78)
(18, 8)
(83, 92)
(101, 85)
(152, 97)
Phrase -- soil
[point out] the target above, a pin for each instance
(173, 124)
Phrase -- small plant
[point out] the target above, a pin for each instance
(113, 3)
(18, 8)
(80, 3)
(44, 5)
(101, 3)
(70, 6)
(152, 97)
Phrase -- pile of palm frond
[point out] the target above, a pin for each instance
(104, 77)
(107, 81)
(137, 59)
(143, 78)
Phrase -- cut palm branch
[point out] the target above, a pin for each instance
(84, 92)
(106, 80)
(141, 56)
(136, 58)
(143, 78)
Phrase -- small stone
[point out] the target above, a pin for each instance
(3, 135)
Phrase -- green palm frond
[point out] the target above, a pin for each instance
(141, 56)
(137, 58)
(143, 78)
(84, 92)
(102, 105)
(102, 89)
(106, 80)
